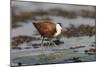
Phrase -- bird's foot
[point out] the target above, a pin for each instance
(54, 43)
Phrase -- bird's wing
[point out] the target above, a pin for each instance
(46, 28)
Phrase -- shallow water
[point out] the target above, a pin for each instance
(57, 54)
(51, 54)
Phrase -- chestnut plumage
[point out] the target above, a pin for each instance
(47, 29)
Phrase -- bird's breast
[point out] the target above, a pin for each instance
(57, 33)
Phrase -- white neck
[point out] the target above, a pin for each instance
(58, 29)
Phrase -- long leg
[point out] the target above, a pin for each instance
(42, 42)
(51, 42)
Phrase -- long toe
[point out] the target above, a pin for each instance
(54, 44)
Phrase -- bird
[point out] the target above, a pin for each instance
(48, 29)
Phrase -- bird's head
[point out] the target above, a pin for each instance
(61, 27)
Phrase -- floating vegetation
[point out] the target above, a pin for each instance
(15, 25)
(23, 16)
(91, 51)
(93, 45)
(88, 14)
(21, 39)
(76, 47)
(63, 13)
(82, 30)
(46, 58)
(15, 47)
(75, 50)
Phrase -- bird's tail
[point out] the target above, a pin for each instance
(34, 23)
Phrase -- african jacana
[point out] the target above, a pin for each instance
(48, 29)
